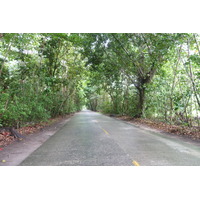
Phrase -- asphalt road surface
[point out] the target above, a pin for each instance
(93, 139)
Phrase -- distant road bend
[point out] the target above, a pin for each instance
(93, 139)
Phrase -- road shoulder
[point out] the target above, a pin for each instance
(15, 153)
(160, 131)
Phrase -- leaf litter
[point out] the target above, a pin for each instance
(190, 132)
(6, 138)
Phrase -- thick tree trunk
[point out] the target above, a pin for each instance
(141, 100)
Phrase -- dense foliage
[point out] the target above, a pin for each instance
(145, 75)
(141, 75)
(40, 78)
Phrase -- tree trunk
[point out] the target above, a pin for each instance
(12, 131)
(140, 106)
(191, 76)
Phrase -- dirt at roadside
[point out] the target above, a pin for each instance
(189, 132)
(14, 153)
(6, 138)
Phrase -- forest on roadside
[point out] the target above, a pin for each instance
(142, 75)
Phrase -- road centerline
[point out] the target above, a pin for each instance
(94, 139)
(135, 163)
(106, 132)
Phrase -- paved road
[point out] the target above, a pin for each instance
(90, 139)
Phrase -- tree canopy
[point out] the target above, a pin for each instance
(152, 75)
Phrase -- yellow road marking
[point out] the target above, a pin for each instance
(136, 163)
(105, 131)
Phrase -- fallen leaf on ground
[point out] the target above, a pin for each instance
(192, 132)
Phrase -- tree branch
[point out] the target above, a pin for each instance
(140, 71)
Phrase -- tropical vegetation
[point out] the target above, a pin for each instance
(143, 75)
